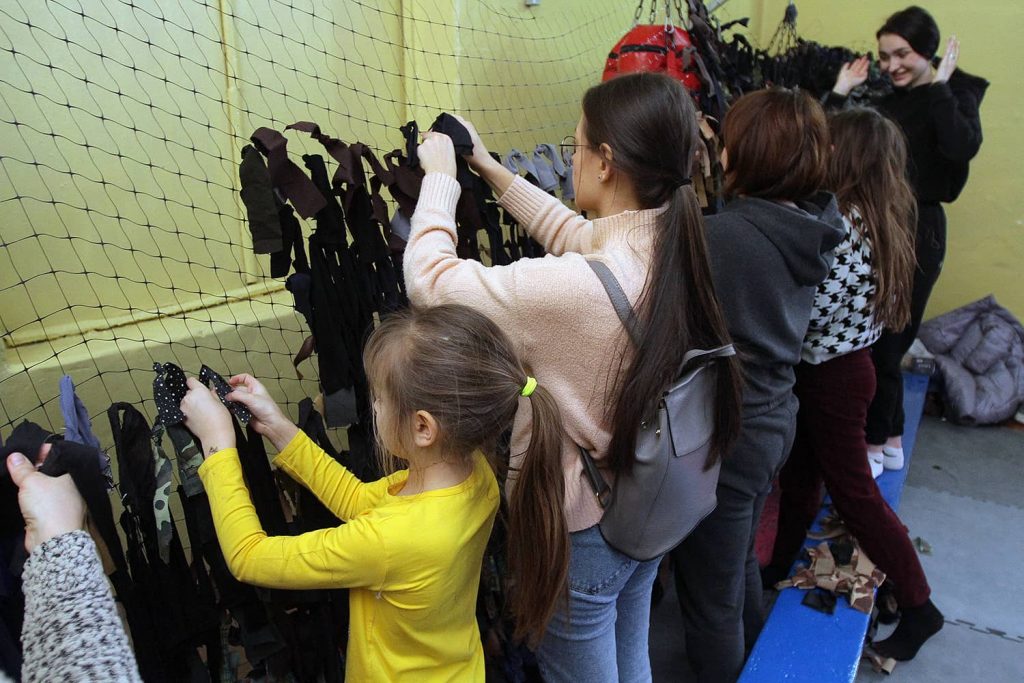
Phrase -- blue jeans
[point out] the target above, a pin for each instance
(602, 636)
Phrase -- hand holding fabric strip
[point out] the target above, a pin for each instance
(267, 417)
(437, 154)
(51, 506)
(207, 418)
(480, 158)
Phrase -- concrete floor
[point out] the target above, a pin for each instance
(964, 496)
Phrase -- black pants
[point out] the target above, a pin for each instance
(718, 581)
(885, 415)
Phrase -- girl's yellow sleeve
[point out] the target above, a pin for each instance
(339, 490)
(350, 555)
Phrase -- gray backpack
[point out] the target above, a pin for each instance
(653, 507)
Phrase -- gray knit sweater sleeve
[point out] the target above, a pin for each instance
(72, 631)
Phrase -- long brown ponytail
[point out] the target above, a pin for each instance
(538, 535)
(456, 364)
(867, 171)
(650, 124)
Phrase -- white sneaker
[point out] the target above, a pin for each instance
(876, 460)
(892, 458)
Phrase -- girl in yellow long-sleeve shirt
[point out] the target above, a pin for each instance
(445, 383)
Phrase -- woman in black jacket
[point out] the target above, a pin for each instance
(936, 105)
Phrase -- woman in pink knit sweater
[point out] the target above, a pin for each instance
(634, 147)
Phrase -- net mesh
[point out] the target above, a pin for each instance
(123, 237)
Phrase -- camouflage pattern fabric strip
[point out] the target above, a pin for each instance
(857, 577)
(162, 496)
(189, 459)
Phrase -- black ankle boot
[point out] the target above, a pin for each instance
(917, 624)
(885, 601)
(772, 574)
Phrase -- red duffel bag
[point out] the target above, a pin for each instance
(659, 49)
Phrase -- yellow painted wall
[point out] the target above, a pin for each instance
(123, 238)
(523, 74)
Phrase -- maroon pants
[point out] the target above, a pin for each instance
(830, 447)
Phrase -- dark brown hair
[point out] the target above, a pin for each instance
(867, 171)
(650, 124)
(457, 365)
(916, 26)
(776, 141)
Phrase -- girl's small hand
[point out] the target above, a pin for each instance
(948, 64)
(437, 154)
(207, 418)
(267, 417)
(480, 157)
(851, 75)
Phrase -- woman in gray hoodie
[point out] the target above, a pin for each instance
(770, 247)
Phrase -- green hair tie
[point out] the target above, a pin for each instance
(531, 384)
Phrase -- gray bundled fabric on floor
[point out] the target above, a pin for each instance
(979, 354)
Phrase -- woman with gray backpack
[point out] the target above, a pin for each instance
(612, 322)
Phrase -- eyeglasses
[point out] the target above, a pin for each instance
(567, 147)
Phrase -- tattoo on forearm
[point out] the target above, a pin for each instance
(211, 450)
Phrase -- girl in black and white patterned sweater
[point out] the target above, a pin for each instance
(868, 289)
(843, 318)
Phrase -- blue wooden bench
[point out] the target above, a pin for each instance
(801, 644)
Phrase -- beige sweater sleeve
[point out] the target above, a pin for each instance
(434, 274)
(558, 228)
(528, 299)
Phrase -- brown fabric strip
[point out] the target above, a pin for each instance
(305, 351)
(336, 148)
(287, 177)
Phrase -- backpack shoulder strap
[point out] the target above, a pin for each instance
(618, 298)
(702, 356)
(628, 317)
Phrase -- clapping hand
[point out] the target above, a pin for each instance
(948, 64)
(851, 75)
